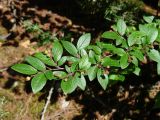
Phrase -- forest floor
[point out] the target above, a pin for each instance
(130, 100)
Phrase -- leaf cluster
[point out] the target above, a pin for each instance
(120, 52)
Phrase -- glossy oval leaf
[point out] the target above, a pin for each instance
(84, 63)
(68, 86)
(119, 40)
(74, 66)
(154, 55)
(38, 82)
(45, 59)
(148, 19)
(70, 48)
(116, 77)
(150, 31)
(119, 51)
(36, 63)
(102, 81)
(135, 38)
(60, 74)
(57, 51)
(96, 49)
(68, 69)
(109, 46)
(92, 57)
(62, 60)
(81, 82)
(152, 34)
(124, 61)
(83, 52)
(110, 35)
(92, 72)
(138, 54)
(98, 58)
(107, 61)
(84, 41)
(49, 75)
(121, 26)
(134, 60)
(137, 71)
(24, 69)
(72, 59)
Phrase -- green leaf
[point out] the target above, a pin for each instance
(117, 77)
(49, 75)
(38, 82)
(107, 61)
(102, 81)
(70, 48)
(24, 69)
(112, 48)
(134, 60)
(150, 31)
(109, 47)
(158, 68)
(72, 59)
(68, 86)
(62, 61)
(152, 34)
(137, 71)
(154, 55)
(114, 36)
(74, 66)
(36, 63)
(92, 57)
(60, 74)
(116, 50)
(81, 82)
(119, 51)
(121, 26)
(135, 38)
(144, 29)
(138, 54)
(67, 69)
(124, 61)
(110, 35)
(92, 72)
(57, 51)
(84, 63)
(83, 52)
(84, 41)
(148, 19)
(96, 49)
(45, 59)
(98, 58)
(124, 44)
(119, 40)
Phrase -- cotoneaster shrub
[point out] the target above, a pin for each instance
(120, 52)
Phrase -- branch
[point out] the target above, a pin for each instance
(47, 103)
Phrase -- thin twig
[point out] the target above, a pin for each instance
(47, 103)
